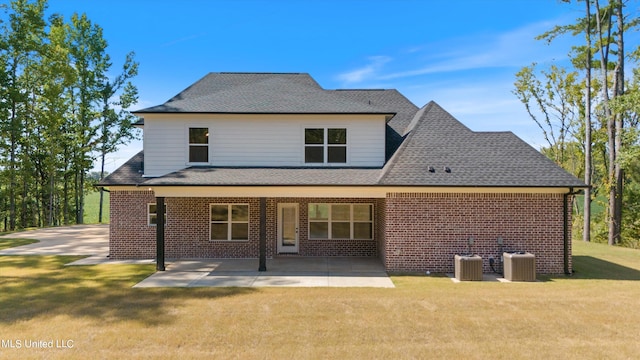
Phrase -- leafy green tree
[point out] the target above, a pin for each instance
(22, 39)
(58, 108)
(610, 139)
(87, 50)
(116, 127)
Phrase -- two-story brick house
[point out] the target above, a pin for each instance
(253, 165)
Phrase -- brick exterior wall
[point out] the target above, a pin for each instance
(412, 231)
(425, 231)
(129, 235)
(187, 229)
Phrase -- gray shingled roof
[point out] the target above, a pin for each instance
(130, 173)
(421, 143)
(439, 141)
(390, 100)
(267, 176)
(258, 93)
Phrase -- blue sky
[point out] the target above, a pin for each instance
(462, 54)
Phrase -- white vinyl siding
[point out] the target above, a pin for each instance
(257, 140)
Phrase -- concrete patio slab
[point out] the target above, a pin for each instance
(281, 272)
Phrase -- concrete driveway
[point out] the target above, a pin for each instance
(89, 240)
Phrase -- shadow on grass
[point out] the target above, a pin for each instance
(9, 243)
(589, 267)
(41, 286)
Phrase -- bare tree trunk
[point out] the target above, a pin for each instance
(619, 121)
(101, 189)
(611, 130)
(586, 233)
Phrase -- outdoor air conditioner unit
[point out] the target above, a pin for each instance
(468, 267)
(519, 266)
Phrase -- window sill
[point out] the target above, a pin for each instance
(229, 241)
(341, 239)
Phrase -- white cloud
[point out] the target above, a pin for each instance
(515, 48)
(369, 71)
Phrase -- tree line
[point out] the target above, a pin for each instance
(62, 106)
(589, 115)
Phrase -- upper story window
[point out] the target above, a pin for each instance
(325, 146)
(198, 145)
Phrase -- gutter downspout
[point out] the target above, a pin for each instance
(565, 228)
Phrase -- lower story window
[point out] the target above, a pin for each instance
(152, 214)
(341, 221)
(229, 221)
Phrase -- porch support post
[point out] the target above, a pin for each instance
(160, 234)
(263, 234)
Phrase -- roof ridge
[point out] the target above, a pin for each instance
(408, 136)
(260, 73)
(358, 89)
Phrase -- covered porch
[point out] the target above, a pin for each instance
(284, 271)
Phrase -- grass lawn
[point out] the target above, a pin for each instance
(593, 314)
(92, 207)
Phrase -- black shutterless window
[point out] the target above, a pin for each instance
(322, 146)
(198, 145)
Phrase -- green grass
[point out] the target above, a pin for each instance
(593, 314)
(9, 243)
(92, 208)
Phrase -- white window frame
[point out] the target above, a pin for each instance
(352, 221)
(325, 145)
(230, 222)
(207, 145)
(155, 214)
